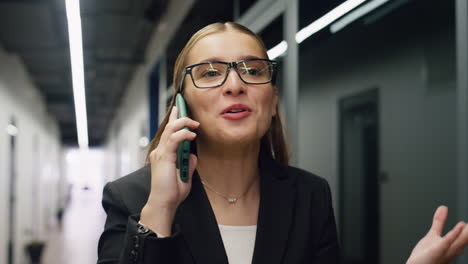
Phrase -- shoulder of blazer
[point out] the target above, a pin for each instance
(305, 183)
(139, 177)
(133, 189)
(302, 178)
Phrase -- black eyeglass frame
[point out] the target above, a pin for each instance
(188, 70)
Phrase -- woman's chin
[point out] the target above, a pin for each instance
(236, 139)
(238, 136)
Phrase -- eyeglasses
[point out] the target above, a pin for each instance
(213, 74)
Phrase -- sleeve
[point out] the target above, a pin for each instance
(328, 247)
(122, 243)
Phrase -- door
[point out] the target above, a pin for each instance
(359, 185)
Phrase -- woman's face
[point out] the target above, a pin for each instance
(210, 106)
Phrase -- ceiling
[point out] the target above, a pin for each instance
(115, 37)
(115, 34)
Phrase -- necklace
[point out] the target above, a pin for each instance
(231, 200)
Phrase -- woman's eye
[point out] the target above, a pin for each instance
(210, 74)
(251, 71)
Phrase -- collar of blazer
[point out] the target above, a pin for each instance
(200, 229)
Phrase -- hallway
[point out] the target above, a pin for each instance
(83, 221)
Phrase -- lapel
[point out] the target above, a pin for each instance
(200, 229)
(276, 211)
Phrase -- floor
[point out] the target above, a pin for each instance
(76, 241)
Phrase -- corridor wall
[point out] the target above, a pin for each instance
(414, 73)
(37, 162)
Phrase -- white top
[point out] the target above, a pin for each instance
(239, 242)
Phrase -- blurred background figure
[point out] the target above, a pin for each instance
(375, 102)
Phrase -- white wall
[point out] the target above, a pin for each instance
(417, 125)
(131, 123)
(38, 169)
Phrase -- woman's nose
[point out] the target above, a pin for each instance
(233, 85)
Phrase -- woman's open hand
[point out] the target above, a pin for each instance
(435, 249)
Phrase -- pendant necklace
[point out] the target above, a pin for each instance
(230, 200)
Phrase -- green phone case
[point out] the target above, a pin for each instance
(183, 150)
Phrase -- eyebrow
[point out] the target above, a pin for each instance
(249, 57)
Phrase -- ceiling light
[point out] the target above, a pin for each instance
(384, 11)
(143, 142)
(356, 14)
(76, 56)
(327, 19)
(12, 130)
(315, 26)
(277, 50)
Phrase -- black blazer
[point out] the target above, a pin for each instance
(295, 222)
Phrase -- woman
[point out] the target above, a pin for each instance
(242, 202)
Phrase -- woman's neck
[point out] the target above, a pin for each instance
(229, 170)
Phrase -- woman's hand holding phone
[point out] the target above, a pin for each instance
(167, 189)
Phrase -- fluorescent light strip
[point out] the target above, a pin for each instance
(76, 56)
(327, 19)
(277, 50)
(384, 11)
(315, 26)
(356, 14)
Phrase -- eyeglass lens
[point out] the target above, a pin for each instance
(214, 74)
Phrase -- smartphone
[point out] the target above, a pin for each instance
(183, 150)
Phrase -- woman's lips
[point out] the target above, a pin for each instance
(236, 111)
(236, 116)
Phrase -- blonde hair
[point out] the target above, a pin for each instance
(273, 142)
